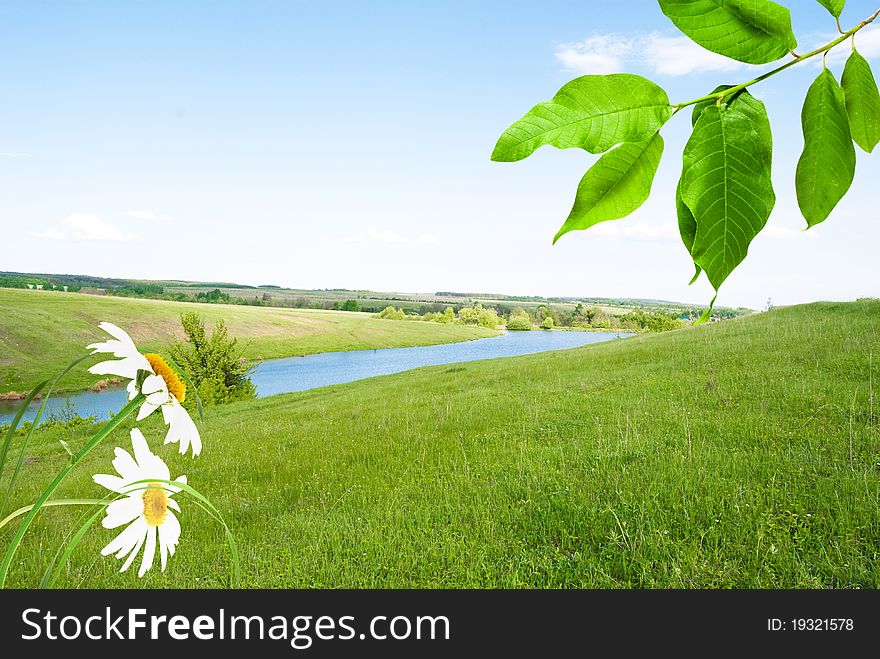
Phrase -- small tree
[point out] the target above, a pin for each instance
(478, 315)
(519, 322)
(547, 323)
(215, 366)
(350, 305)
(390, 313)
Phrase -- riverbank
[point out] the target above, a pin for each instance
(43, 331)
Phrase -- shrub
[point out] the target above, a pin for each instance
(390, 313)
(547, 323)
(350, 305)
(215, 366)
(519, 323)
(477, 315)
(212, 297)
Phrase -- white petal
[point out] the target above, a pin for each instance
(137, 547)
(142, 452)
(154, 384)
(151, 465)
(131, 359)
(169, 532)
(124, 368)
(126, 539)
(181, 427)
(163, 550)
(116, 332)
(126, 466)
(132, 389)
(149, 551)
(146, 410)
(112, 483)
(123, 511)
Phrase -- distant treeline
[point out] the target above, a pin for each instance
(547, 318)
(564, 312)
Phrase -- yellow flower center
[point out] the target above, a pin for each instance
(161, 368)
(155, 504)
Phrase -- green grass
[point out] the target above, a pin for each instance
(41, 331)
(742, 454)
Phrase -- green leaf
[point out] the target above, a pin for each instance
(726, 183)
(862, 102)
(616, 185)
(687, 227)
(828, 164)
(752, 108)
(593, 113)
(834, 6)
(751, 31)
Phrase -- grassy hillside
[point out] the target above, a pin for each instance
(742, 454)
(41, 332)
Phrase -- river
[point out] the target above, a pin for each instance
(277, 376)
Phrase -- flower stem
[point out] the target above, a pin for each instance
(111, 425)
(800, 58)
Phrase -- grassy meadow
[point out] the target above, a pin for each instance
(742, 454)
(43, 331)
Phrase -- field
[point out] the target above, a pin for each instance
(369, 301)
(41, 331)
(742, 454)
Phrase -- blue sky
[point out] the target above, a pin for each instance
(334, 143)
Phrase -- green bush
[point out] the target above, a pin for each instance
(215, 366)
(547, 323)
(390, 313)
(478, 315)
(657, 321)
(519, 323)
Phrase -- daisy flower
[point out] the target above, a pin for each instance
(162, 387)
(147, 507)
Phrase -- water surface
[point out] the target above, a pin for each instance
(277, 376)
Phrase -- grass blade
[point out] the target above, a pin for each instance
(12, 428)
(36, 422)
(55, 502)
(74, 541)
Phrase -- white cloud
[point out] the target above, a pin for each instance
(49, 234)
(600, 54)
(384, 236)
(91, 227)
(148, 215)
(374, 235)
(14, 154)
(635, 230)
(784, 233)
(663, 55)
